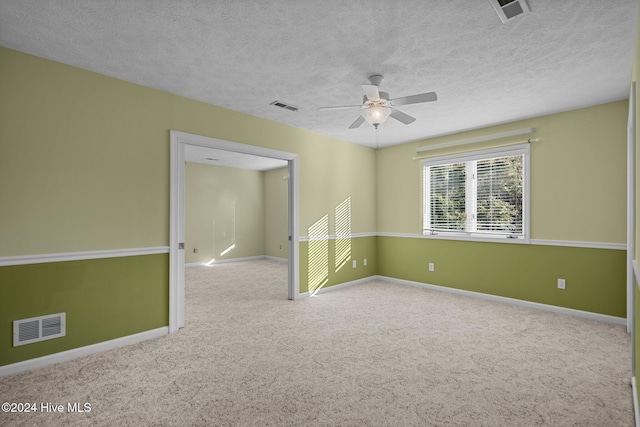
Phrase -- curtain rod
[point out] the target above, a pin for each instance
(476, 139)
(526, 141)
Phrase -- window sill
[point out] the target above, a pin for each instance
(476, 238)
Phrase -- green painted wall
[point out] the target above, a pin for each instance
(103, 298)
(276, 193)
(567, 196)
(569, 202)
(258, 199)
(84, 159)
(595, 277)
(224, 207)
(333, 273)
(84, 166)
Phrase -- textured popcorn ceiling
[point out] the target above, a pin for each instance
(245, 54)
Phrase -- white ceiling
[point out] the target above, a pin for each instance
(243, 55)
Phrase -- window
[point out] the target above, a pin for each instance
(483, 194)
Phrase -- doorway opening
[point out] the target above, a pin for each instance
(180, 142)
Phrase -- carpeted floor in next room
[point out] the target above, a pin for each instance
(376, 354)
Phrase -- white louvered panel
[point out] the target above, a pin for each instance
(51, 326)
(28, 331)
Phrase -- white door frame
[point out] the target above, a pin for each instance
(631, 207)
(177, 218)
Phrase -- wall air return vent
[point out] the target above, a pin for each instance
(34, 329)
(284, 105)
(510, 9)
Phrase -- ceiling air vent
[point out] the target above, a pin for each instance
(284, 105)
(509, 9)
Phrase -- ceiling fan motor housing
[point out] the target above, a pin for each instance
(384, 100)
(376, 79)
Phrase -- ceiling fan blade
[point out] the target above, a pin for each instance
(339, 107)
(371, 92)
(415, 99)
(357, 122)
(402, 117)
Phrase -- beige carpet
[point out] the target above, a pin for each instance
(377, 354)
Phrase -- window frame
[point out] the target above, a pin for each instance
(464, 157)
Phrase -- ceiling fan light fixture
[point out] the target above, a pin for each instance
(376, 114)
(377, 106)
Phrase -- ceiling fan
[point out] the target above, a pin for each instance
(377, 106)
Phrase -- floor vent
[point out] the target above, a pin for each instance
(34, 329)
(509, 9)
(284, 105)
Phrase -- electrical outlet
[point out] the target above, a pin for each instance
(354, 263)
(364, 262)
(432, 267)
(562, 284)
(195, 250)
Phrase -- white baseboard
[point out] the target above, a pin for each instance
(513, 301)
(506, 300)
(636, 409)
(338, 286)
(248, 258)
(16, 368)
(194, 264)
(273, 258)
(26, 365)
(224, 261)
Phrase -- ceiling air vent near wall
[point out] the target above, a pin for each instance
(34, 329)
(284, 105)
(509, 9)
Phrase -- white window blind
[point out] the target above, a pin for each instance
(500, 184)
(446, 186)
(477, 194)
